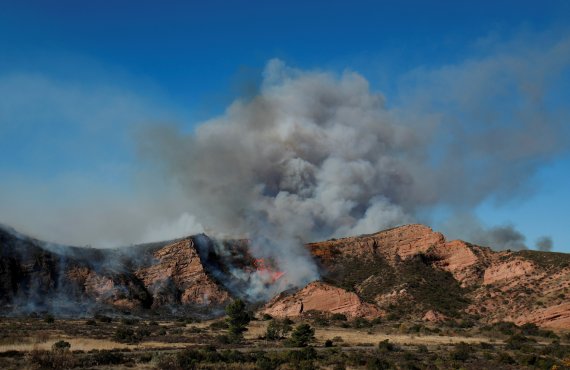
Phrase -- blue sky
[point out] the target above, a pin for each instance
(79, 79)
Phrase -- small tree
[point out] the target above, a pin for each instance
(277, 329)
(302, 335)
(237, 319)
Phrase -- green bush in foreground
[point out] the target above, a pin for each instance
(61, 346)
(237, 320)
(277, 329)
(302, 336)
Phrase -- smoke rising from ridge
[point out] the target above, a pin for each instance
(544, 244)
(449, 138)
(316, 155)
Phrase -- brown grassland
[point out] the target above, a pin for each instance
(104, 343)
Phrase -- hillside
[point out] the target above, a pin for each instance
(36, 276)
(409, 272)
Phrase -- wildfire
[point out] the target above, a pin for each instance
(265, 268)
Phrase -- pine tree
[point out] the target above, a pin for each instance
(302, 335)
(237, 320)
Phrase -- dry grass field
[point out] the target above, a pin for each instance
(106, 343)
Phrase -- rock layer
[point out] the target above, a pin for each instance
(318, 296)
(178, 274)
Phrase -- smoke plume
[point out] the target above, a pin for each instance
(468, 227)
(544, 244)
(317, 155)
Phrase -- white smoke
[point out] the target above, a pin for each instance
(310, 157)
(316, 155)
(185, 225)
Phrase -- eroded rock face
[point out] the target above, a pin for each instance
(555, 317)
(465, 261)
(318, 296)
(434, 316)
(177, 274)
(462, 260)
(37, 276)
(508, 286)
(508, 270)
(401, 242)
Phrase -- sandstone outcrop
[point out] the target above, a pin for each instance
(318, 296)
(38, 276)
(434, 317)
(555, 317)
(463, 260)
(505, 285)
(178, 271)
(508, 270)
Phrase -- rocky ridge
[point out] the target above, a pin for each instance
(37, 276)
(408, 272)
(518, 286)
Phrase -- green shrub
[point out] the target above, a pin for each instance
(302, 336)
(128, 335)
(237, 320)
(264, 363)
(529, 329)
(234, 356)
(105, 357)
(307, 353)
(145, 357)
(505, 358)
(422, 348)
(103, 318)
(195, 330)
(277, 329)
(129, 321)
(504, 327)
(462, 352)
(385, 346)
(321, 321)
(188, 358)
(338, 317)
(378, 364)
(61, 346)
(222, 339)
(52, 359)
(557, 350)
(518, 342)
(218, 325)
(376, 321)
(360, 322)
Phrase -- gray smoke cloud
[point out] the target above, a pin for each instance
(544, 244)
(317, 155)
(468, 227)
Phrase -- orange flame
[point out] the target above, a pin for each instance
(261, 266)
